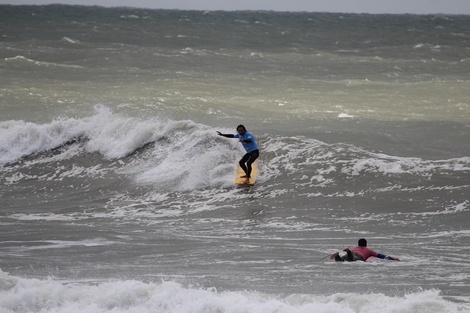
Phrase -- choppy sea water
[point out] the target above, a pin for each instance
(118, 196)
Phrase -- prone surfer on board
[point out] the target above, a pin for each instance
(249, 143)
(360, 253)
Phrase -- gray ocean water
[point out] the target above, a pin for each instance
(117, 195)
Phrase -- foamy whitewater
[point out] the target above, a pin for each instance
(117, 195)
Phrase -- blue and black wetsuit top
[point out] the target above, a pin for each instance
(249, 142)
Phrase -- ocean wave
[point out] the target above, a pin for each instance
(70, 40)
(184, 155)
(299, 155)
(19, 138)
(459, 208)
(111, 135)
(173, 155)
(21, 60)
(191, 159)
(386, 164)
(35, 295)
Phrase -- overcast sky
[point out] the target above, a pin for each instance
(345, 6)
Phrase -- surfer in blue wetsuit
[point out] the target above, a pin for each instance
(249, 143)
(360, 253)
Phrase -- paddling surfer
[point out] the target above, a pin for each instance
(360, 253)
(251, 147)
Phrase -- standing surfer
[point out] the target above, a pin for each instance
(249, 143)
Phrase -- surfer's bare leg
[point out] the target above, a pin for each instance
(350, 257)
(337, 257)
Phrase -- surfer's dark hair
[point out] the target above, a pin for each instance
(241, 127)
(362, 242)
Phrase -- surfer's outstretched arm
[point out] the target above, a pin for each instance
(226, 135)
(387, 257)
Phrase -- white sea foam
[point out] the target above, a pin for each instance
(131, 16)
(191, 159)
(184, 155)
(345, 115)
(19, 138)
(35, 295)
(298, 155)
(398, 165)
(61, 244)
(111, 135)
(70, 40)
(450, 209)
(24, 60)
(48, 217)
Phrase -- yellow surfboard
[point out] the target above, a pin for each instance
(239, 180)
